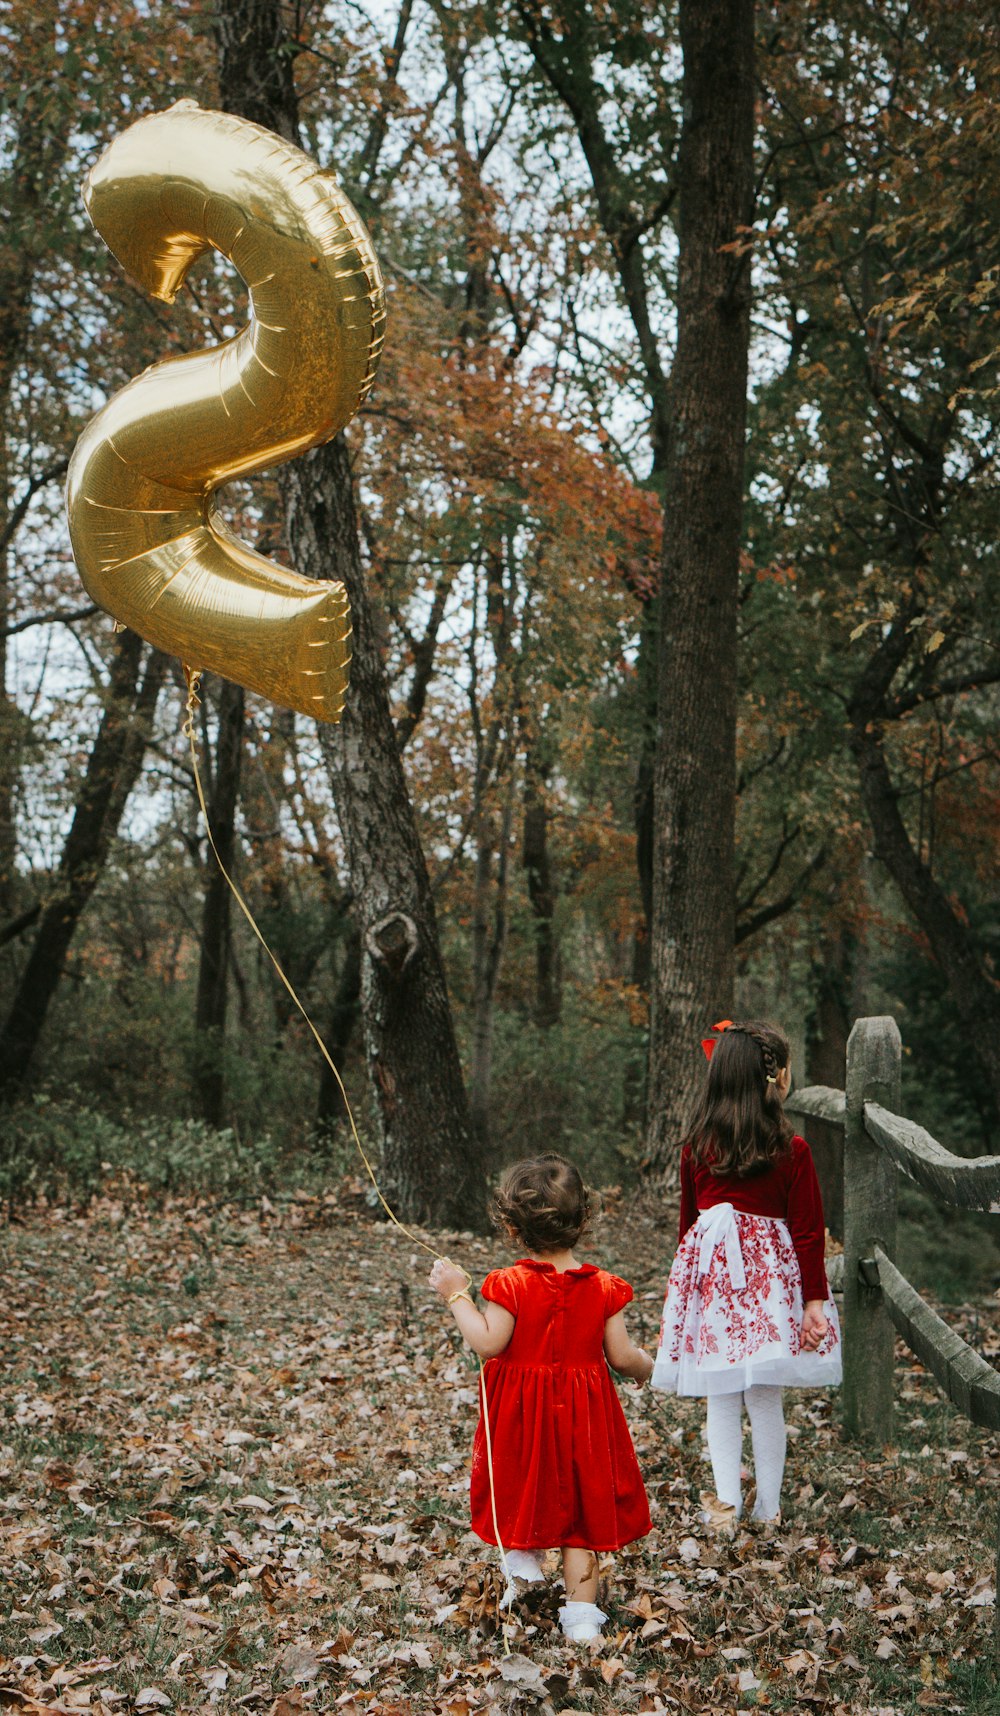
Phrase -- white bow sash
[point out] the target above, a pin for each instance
(718, 1226)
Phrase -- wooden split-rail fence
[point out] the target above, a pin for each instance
(879, 1302)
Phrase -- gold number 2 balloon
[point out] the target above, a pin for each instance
(149, 544)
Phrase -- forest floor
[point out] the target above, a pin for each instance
(234, 1454)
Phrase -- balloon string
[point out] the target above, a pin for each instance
(193, 678)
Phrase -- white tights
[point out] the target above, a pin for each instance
(725, 1446)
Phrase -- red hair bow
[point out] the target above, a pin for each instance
(708, 1043)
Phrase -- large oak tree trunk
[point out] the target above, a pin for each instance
(431, 1165)
(695, 781)
(212, 996)
(113, 768)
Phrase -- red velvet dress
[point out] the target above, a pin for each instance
(564, 1468)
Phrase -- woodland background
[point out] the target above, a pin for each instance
(517, 166)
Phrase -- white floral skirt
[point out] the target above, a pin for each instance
(733, 1311)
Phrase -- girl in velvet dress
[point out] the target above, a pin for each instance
(564, 1470)
(748, 1311)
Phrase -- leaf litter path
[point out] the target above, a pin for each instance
(233, 1458)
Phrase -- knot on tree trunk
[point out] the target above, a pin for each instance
(393, 941)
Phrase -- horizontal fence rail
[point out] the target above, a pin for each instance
(969, 1382)
(819, 1100)
(971, 1182)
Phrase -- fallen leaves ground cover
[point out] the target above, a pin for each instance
(233, 1455)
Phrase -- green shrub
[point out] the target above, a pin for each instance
(62, 1148)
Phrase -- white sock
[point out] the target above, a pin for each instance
(520, 1564)
(581, 1621)
(524, 1564)
(725, 1444)
(767, 1432)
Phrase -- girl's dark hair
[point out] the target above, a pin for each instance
(544, 1201)
(740, 1126)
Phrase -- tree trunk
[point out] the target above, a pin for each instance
(695, 782)
(828, 1025)
(431, 1166)
(112, 770)
(541, 891)
(642, 799)
(212, 996)
(489, 935)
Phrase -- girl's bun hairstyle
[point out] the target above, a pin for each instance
(544, 1202)
(740, 1126)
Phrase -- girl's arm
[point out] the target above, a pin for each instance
(486, 1332)
(805, 1223)
(621, 1353)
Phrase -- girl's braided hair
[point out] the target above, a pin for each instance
(740, 1126)
(543, 1201)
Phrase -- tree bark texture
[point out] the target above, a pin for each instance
(644, 810)
(432, 1168)
(112, 770)
(695, 779)
(212, 995)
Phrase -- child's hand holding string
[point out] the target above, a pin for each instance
(487, 1332)
(447, 1279)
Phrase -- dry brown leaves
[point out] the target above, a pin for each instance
(234, 1478)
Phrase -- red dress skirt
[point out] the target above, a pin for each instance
(564, 1468)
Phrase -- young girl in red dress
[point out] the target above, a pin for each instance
(748, 1310)
(564, 1470)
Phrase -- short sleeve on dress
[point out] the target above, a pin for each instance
(617, 1294)
(500, 1288)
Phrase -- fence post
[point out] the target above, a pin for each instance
(873, 1062)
